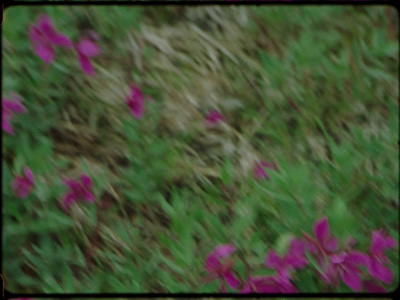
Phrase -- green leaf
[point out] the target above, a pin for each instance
(313, 262)
(172, 265)
(227, 173)
(282, 244)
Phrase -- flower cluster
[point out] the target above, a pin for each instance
(45, 38)
(279, 283)
(78, 191)
(334, 264)
(357, 270)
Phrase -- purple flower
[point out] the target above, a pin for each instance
(373, 287)
(261, 284)
(135, 101)
(294, 258)
(222, 270)
(325, 243)
(9, 108)
(268, 284)
(43, 37)
(213, 118)
(86, 49)
(259, 171)
(377, 258)
(78, 191)
(345, 266)
(22, 185)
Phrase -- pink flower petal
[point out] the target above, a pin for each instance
(6, 124)
(380, 242)
(88, 48)
(295, 256)
(358, 258)
(136, 108)
(44, 51)
(136, 93)
(72, 183)
(231, 280)
(264, 284)
(373, 287)
(88, 196)
(14, 105)
(212, 264)
(223, 251)
(288, 288)
(48, 30)
(377, 241)
(259, 172)
(273, 260)
(246, 289)
(379, 271)
(35, 34)
(86, 64)
(352, 279)
(331, 244)
(60, 40)
(68, 200)
(21, 187)
(338, 258)
(213, 117)
(86, 181)
(321, 230)
(135, 101)
(45, 24)
(29, 174)
(268, 165)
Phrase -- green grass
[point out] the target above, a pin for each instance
(312, 88)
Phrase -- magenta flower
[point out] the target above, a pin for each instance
(373, 287)
(86, 49)
(78, 191)
(8, 109)
(259, 171)
(261, 284)
(220, 270)
(22, 185)
(43, 37)
(345, 266)
(325, 243)
(377, 258)
(268, 284)
(293, 260)
(213, 118)
(135, 101)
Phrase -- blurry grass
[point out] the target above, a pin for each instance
(313, 89)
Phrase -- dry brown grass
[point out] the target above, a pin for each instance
(205, 60)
